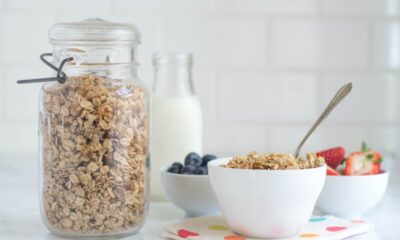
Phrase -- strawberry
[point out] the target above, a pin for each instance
(374, 156)
(333, 156)
(331, 172)
(350, 163)
(364, 162)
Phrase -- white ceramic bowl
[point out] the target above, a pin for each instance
(350, 196)
(266, 203)
(191, 193)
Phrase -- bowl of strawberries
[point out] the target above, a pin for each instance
(354, 184)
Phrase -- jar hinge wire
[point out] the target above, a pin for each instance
(61, 76)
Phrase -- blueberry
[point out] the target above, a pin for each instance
(177, 165)
(201, 171)
(173, 169)
(189, 169)
(193, 159)
(207, 158)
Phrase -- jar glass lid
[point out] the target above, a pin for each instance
(94, 30)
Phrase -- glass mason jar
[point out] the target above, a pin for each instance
(94, 133)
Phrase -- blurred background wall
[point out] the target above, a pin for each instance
(264, 69)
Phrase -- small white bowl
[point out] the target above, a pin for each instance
(350, 196)
(266, 203)
(191, 193)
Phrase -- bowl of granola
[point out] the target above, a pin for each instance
(267, 195)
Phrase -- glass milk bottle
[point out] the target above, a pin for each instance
(176, 120)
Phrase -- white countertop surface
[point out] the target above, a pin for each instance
(20, 218)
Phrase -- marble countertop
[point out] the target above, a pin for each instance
(20, 218)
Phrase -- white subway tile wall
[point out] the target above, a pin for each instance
(361, 7)
(264, 69)
(262, 98)
(270, 7)
(386, 51)
(320, 44)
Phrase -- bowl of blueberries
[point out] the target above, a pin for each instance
(187, 185)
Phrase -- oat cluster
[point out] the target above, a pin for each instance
(275, 161)
(94, 152)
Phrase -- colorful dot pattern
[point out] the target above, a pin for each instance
(218, 228)
(357, 221)
(317, 219)
(335, 228)
(183, 233)
(234, 237)
(316, 229)
(308, 235)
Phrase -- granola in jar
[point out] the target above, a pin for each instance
(94, 152)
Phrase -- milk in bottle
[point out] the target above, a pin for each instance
(176, 122)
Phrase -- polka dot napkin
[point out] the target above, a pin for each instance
(215, 228)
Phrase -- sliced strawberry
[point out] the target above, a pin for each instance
(374, 156)
(331, 172)
(333, 156)
(375, 169)
(365, 162)
(351, 163)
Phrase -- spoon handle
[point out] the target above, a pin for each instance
(339, 96)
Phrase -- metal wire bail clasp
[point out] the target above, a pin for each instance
(61, 76)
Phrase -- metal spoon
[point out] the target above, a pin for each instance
(340, 95)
